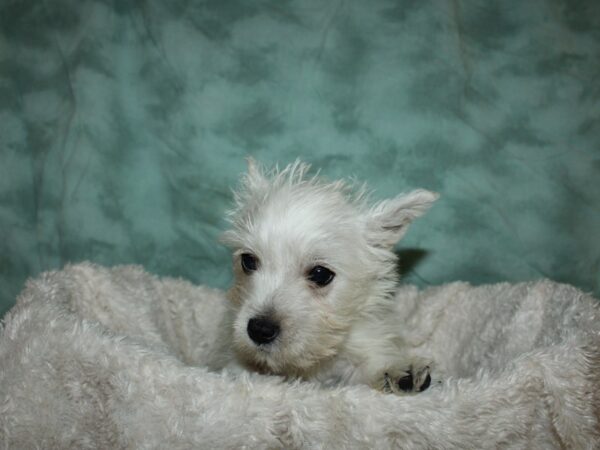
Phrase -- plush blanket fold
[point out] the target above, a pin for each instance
(117, 358)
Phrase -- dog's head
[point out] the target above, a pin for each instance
(310, 258)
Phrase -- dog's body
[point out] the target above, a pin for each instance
(315, 276)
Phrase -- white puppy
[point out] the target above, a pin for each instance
(315, 277)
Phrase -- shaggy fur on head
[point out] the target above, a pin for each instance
(291, 223)
(115, 358)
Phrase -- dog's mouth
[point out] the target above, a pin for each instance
(260, 358)
(267, 358)
(265, 349)
(271, 359)
(274, 346)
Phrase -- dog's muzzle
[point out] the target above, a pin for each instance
(262, 330)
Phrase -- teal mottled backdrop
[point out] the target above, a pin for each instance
(124, 125)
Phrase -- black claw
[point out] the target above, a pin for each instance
(426, 383)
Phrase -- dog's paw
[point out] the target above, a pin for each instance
(413, 380)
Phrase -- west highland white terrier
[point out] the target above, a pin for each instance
(315, 277)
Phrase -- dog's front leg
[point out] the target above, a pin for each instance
(404, 382)
(412, 376)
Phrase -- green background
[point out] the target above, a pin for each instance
(124, 127)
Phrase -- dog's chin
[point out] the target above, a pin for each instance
(268, 360)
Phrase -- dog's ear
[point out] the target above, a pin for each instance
(388, 220)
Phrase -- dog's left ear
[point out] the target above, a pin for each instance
(388, 220)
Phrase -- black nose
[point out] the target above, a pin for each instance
(262, 330)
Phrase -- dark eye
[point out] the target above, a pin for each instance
(249, 263)
(320, 275)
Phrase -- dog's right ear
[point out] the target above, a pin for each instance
(388, 220)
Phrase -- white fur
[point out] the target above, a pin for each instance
(97, 358)
(343, 333)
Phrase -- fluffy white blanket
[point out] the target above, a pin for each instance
(117, 358)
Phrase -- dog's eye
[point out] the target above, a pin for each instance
(249, 263)
(320, 275)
